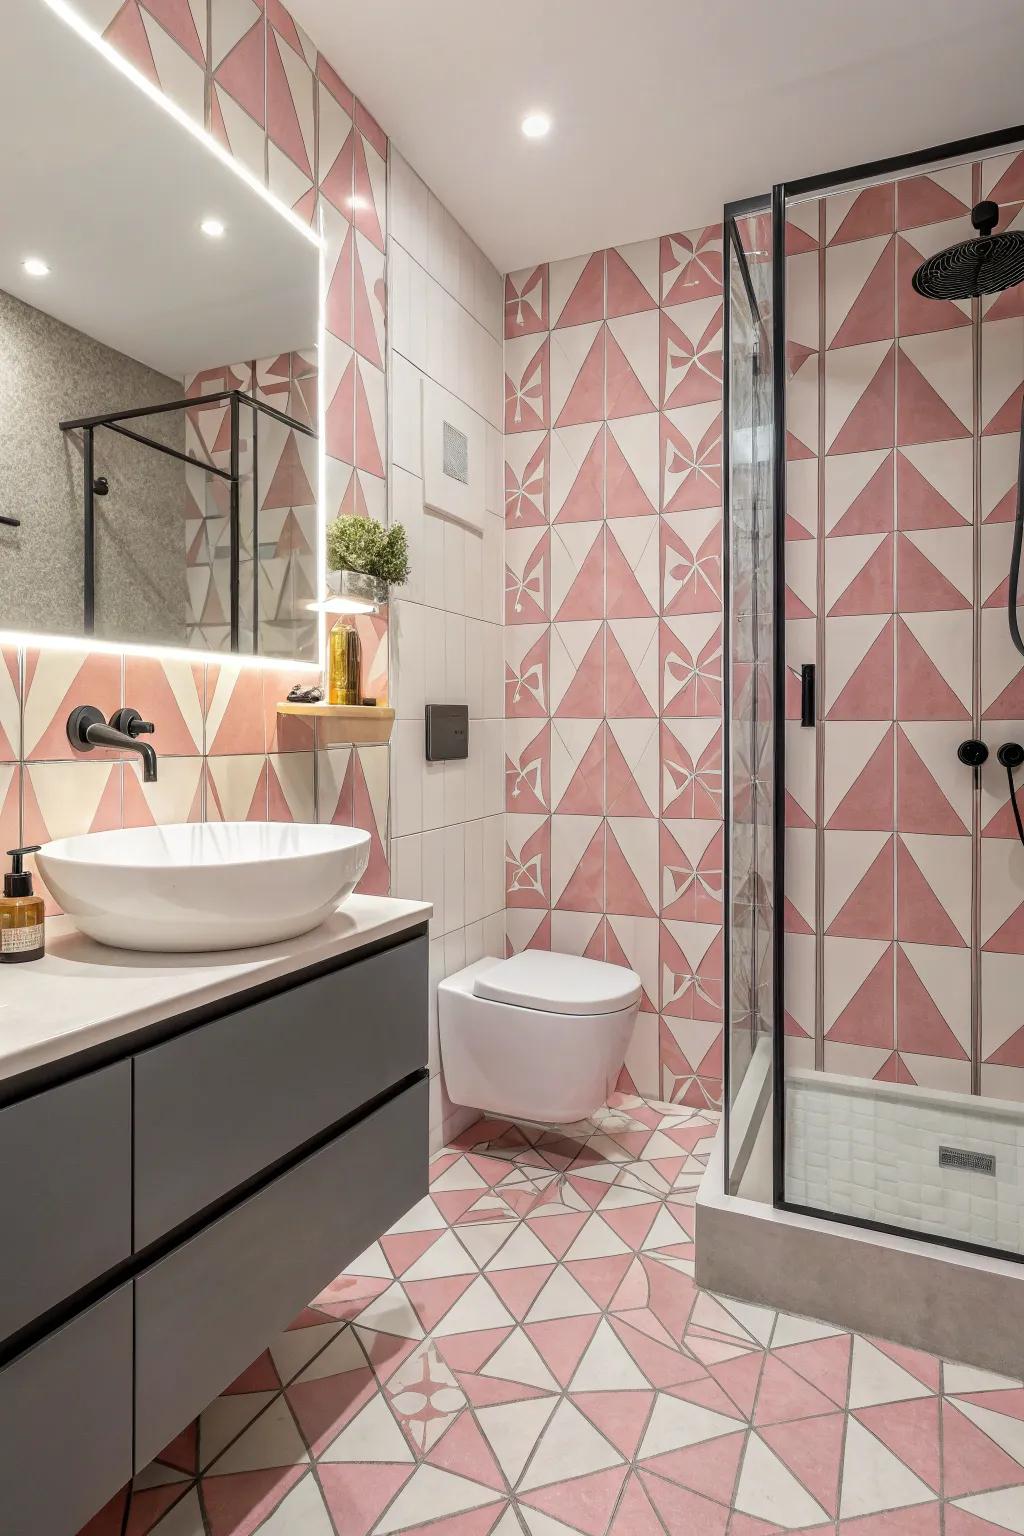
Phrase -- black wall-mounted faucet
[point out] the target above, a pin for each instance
(87, 729)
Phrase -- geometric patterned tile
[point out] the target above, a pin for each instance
(567, 1378)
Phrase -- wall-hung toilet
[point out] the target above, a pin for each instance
(538, 1036)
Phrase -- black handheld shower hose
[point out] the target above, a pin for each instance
(1015, 553)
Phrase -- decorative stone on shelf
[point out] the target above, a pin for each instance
(341, 724)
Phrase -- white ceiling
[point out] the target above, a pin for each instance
(109, 189)
(663, 109)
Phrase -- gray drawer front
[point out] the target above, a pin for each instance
(207, 1310)
(217, 1105)
(64, 1152)
(66, 1422)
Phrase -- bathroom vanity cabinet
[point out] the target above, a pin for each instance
(171, 1200)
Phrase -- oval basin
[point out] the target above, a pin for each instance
(214, 885)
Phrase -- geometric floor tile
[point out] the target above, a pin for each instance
(526, 1354)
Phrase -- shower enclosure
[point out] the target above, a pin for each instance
(245, 499)
(875, 1030)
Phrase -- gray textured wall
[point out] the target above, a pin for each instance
(48, 373)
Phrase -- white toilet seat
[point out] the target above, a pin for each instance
(554, 983)
(508, 1054)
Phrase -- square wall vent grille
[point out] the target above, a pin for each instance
(455, 454)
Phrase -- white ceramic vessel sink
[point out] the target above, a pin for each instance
(217, 885)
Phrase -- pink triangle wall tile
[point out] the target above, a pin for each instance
(10, 703)
(177, 796)
(54, 683)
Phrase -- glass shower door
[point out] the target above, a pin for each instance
(750, 650)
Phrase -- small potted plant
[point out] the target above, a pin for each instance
(364, 559)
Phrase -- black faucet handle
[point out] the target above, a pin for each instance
(131, 723)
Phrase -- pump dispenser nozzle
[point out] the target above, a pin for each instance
(19, 881)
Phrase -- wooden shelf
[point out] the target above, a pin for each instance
(341, 723)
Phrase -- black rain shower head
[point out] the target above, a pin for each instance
(987, 264)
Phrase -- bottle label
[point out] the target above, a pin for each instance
(20, 941)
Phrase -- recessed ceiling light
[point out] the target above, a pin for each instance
(35, 266)
(536, 124)
(214, 228)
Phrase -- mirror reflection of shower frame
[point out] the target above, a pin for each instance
(851, 178)
(114, 421)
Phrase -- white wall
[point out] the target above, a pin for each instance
(447, 825)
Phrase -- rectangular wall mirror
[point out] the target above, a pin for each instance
(159, 462)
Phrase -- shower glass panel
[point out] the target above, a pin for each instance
(751, 659)
(904, 876)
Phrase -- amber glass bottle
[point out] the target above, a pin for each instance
(22, 926)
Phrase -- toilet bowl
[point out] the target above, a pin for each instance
(538, 1036)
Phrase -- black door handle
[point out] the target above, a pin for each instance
(807, 702)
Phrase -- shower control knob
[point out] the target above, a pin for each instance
(1011, 754)
(973, 753)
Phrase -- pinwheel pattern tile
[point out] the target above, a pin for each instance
(613, 507)
(526, 1354)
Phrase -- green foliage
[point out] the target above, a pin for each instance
(360, 544)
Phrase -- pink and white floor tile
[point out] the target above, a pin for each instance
(526, 1354)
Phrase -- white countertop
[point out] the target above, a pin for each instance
(82, 994)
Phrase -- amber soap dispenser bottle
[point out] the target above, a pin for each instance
(22, 926)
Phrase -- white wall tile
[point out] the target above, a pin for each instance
(407, 867)
(494, 934)
(434, 640)
(455, 537)
(406, 416)
(454, 843)
(399, 266)
(494, 478)
(433, 775)
(492, 732)
(475, 629)
(474, 942)
(408, 660)
(494, 672)
(494, 568)
(455, 658)
(455, 773)
(433, 559)
(407, 777)
(494, 865)
(474, 779)
(433, 879)
(474, 567)
(454, 951)
(407, 209)
(474, 877)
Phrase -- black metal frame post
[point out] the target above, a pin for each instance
(114, 421)
(879, 170)
(89, 534)
(779, 689)
(255, 534)
(235, 526)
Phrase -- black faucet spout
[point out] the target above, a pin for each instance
(88, 729)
